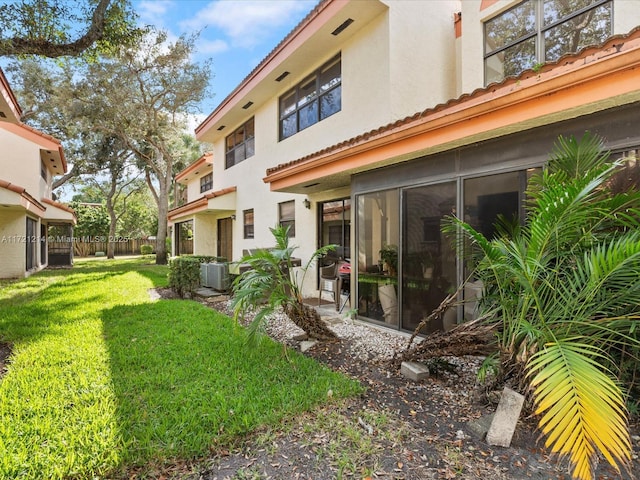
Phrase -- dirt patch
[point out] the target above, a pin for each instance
(397, 429)
(5, 353)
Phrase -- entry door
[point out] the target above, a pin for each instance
(225, 238)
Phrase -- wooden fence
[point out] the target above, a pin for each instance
(87, 247)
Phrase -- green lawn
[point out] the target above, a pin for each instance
(103, 379)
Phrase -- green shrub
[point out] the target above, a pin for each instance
(146, 249)
(184, 272)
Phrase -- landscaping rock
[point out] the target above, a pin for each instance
(505, 419)
(414, 371)
(306, 345)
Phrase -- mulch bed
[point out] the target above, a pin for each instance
(427, 436)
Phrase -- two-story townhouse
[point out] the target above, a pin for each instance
(28, 162)
(347, 68)
(443, 108)
(202, 210)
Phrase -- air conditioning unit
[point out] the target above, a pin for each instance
(215, 275)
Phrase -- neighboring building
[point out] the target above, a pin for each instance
(202, 222)
(373, 120)
(28, 213)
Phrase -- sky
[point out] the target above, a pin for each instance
(235, 34)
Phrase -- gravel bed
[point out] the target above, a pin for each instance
(428, 433)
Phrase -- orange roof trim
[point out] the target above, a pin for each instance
(487, 3)
(492, 98)
(199, 204)
(59, 205)
(42, 139)
(285, 41)
(219, 193)
(205, 159)
(23, 193)
(9, 96)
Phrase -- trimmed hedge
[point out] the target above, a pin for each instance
(184, 272)
(146, 249)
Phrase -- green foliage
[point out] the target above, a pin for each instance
(184, 272)
(271, 282)
(93, 220)
(72, 28)
(103, 380)
(146, 249)
(139, 218)
(564, 294)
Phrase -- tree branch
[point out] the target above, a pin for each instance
(47, 48)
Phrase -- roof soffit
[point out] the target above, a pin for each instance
(9, 108)
(305, 48)
(617, 60)
(51, 152)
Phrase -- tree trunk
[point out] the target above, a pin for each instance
(161, 237)
(308, 319)
(112, 236)
(113, 219)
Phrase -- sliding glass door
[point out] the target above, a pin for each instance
(428, 256)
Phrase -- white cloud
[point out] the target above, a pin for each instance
(247, 23)
(152, 12)
(211, 47)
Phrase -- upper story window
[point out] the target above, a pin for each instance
(248, 223)
(287, 216)
(315, 98)
(43, 170)
(538, 31)
(206, 182)
(240, 144)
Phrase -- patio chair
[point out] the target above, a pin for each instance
(329, 282)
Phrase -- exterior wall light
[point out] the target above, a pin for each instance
(307, 203)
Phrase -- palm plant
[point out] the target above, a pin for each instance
(564, 294)
(272, 283)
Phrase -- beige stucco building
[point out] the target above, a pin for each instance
(372, 120)
(28, 162)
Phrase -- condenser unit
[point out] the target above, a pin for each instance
(215, 275)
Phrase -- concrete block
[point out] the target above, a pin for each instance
(414, 371)
(480, 426)
(505, 419)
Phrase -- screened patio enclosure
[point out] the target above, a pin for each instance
(404, 265)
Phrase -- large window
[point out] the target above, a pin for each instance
(538, 31)
(248, 223)
(287, 216)
(240, 144)
(184, 238)
(206, 183)
(315, 98)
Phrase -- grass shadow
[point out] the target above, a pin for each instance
(185, 381)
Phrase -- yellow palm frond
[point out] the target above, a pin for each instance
(583, 408)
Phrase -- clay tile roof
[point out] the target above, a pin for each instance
(219, 193)
(613, 44)
(59, 205)
(22, 192)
